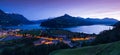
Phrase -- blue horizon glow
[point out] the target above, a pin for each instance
(43, 9)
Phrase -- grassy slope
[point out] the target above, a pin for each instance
(103, 49)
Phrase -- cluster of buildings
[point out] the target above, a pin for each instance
(8, 34)
(13, 34)
(74, 41)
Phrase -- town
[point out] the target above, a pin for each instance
(72, 40)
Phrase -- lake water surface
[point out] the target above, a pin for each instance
(85, 29)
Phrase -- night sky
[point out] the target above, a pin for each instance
(43, 9)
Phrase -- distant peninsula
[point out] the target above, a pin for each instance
(70, 21)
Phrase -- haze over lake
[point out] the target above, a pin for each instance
(90, 29)
(85, 29)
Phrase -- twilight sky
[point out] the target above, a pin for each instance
(43, 9)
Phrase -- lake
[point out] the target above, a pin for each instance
(85, 29)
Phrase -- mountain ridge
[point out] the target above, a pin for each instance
(13, 19)
(70, 21)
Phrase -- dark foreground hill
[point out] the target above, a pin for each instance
(69, 21)
(103, 49)
(12, 19)
(112, 37)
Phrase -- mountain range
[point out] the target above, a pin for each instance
(7, 19)
(70, 21)
(13, 19)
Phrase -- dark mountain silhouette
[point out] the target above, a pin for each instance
(64, 21)
(104, 21)
(20, 18)
(2, 13)
(38, 21)
(12, 19)
(117, 24)
(69, 21)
